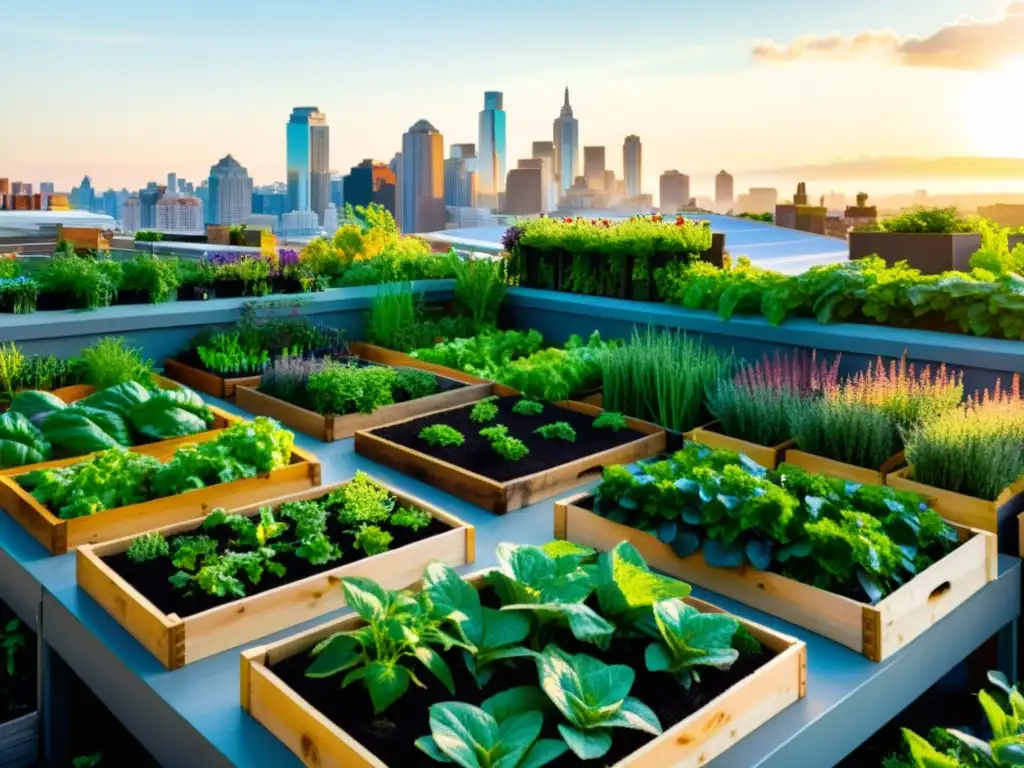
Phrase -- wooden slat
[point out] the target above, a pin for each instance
(179, 641)
(207, 383)
(876, 631)
(375, 354)
(256, 402)
(768, 457)
(831, 468)
(692, 742)
(966, 510)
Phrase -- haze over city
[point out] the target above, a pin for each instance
(741, 85)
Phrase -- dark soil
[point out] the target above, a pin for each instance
(229, 289)
(283, 284)
(18, 691)
(93, 730)
(193, 293)
(49, 301)
(391, 735)
(131, 297)
(151, 578)
(476, 454)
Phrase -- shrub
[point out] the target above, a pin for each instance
(110, 361)
(922, 220)
(91, 282)
(975, 449)
(756, 403)
(339, 388)
(415, 384)
(18, 294)
(157, 278)
(661, 377)
(288, 379)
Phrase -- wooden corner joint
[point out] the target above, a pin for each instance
(871, 637)
(176, 646)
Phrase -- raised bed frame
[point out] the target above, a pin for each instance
(876, 631)
(60, 536)
(177, 641)
(502, 497)
(691, 743)
(205, 382)
(814, 463)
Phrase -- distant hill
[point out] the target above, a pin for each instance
(909, 167)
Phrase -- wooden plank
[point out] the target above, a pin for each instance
(207, 383)
(332, 428)
(375, 354)
(501, 498)
(966, 510)
(60, 536)
(768, 457)
(692, 743)
(876, 631)
(178, 641)
(19, 742)
(832, 468)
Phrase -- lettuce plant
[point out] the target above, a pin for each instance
(400, 630)
(616, 422)
(309, 519)
(372, 539)
(690, 639)
(558, 430)
(441, 435)
(484, 411)
(362, 501)
(410, 517)
(594, 698)
(508, 447)
(528, 407)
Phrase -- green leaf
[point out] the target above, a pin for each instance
(456, 600)
(21, 442)
(586, 745)
(583, 621)
(335, 655)
(367, 598)
(121, 398)
(636, 715)
(502, 628)
(543, 752)
(161, 418)
(1002, 724)
(971, 742)
(79, 429)
(516, 734)
(36, 406)
(1008, 751)
(515, 701)
(387, 683)
(432, 660)
(626, 587)
(427, 745)
(657, 658)
(463, 732)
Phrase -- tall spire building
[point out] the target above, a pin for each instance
(567, 145)
(491, 160)
(308, 161)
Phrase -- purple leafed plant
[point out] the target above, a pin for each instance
(288, 377)
(510, 238)
(798, 372)
(286, 257)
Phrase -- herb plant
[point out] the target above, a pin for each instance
(309, 521)
(415, 384)
(347, 388)
(689, 640)
(484, 411)
(558, 430)
(442, 435)
(508, 447)
(527, 407)
(111, 361)
(18, 294)
(372, 539)
(616, 422)
(225, 355)
(362, 501)
(410, 517)
(148, 546)
(157, 278)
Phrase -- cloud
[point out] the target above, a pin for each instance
(967, 43)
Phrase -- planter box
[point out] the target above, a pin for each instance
(814, 463)
(993, 516)
(207, 383)
(1014, 240)
(932, 254)
(76, 392)
(502, 497)
(690, 743)
(330, 428)
(177, 641)
(374, 354)
(19, 742)
(60, 536)
(767, 457)
(876, 631)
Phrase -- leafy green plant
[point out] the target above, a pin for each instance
(362, 501)
(198, 273)
(90, 282)
(528, 407)
(148, 546)
(441, 435)
(225, 354)
(339, 388)
(18, 294)
(372, 539)
(558, 430)
(12, 640)
(923, 220)
(975, 449)
(661, 377)
(475, 737)
(484, 411)
(415, 384)
(690, 639)
(482, 354)
(594, 698)
(12, 363)
(145, 236)
(863, 541)
(557, 374)
(400, 630)
(410, 517)
(21, 441)
(309, 520)
(253, 273)
(480, 289)
(616, 422)
(157, 278)
(111, 361)
(393, 321)
(508, 447)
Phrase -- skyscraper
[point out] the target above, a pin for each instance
(131, 215)
(631, 165)
(172, 184)
(461, 177)
(370, 182)
(525, 191)
(545, 151)
(593, 167)
(148, 198)
(83, 197)
(492, 160)
(308, 161)
(566, 145)
(421, 179)
(230, 192)
(674, 192)
(179, 214)
(723, 188)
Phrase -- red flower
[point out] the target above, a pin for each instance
(567, 220)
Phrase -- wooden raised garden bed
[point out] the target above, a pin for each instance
(690, 743)
(876, 631)
(768, 457)
(206, 382)
(814, 463)
(331, 427)
(19, 741)
(474, 472)
(993, 516)
(60, 536)
(178, 640)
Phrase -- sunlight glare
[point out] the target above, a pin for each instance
(994, 112)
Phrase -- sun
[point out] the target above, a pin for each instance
(993, 112)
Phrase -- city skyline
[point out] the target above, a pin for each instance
(689, 89)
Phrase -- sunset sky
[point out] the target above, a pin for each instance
(127, 91)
